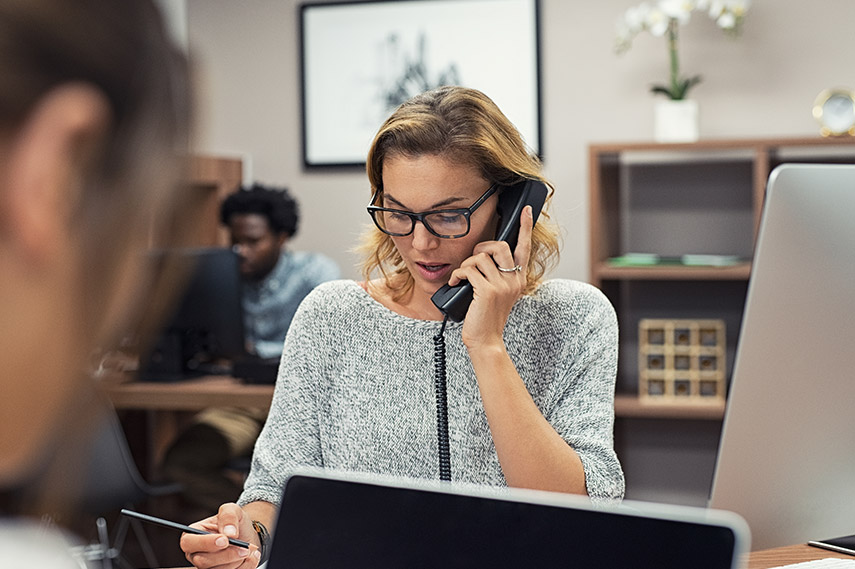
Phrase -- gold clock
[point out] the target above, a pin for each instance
(834, 109)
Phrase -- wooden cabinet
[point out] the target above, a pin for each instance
(195, 221)
(667, 201)
(215, 177)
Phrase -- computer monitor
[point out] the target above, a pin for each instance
(205, 330)
(786, 459)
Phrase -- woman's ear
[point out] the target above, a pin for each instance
(47, 160)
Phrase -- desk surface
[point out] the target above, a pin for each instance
(188, 395)
(770, 558)
(778, 556)
(168, 404)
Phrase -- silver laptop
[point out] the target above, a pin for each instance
(786, 460)
(328, 522)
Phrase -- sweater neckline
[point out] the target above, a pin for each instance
(384, 310)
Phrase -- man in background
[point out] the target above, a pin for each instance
(261, 220)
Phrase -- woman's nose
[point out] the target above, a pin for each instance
(422, 238)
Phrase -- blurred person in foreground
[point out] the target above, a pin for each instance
(93, 121)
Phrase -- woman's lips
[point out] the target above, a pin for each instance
(434, 271)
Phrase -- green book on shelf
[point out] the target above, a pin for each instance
(655, 260)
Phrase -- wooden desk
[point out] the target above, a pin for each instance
(169, 405)
(778, 556)
(189, 395)
(770, 558)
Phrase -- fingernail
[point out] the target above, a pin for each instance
(242, 552)
(230, 530)
(256, 554)
(221, 541)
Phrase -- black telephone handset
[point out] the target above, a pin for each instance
(454, 301)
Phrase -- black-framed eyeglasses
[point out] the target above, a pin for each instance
(444, 223)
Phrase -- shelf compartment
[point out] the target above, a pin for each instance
(685, 208)
(670, 299)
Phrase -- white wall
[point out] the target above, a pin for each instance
(761, 84)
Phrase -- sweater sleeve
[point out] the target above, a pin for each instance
(583, 409)
(290, 437)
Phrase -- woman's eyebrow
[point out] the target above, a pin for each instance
(445, 202)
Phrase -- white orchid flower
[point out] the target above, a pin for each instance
(623, 37)
(679, 10)
(727, 21)
(737, 7)
(715, 9)
(728, 13)
(636, 17)
(657, 22)
(663, 18)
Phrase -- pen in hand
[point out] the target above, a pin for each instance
(180, 527)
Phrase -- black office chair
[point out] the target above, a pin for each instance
(113, 481)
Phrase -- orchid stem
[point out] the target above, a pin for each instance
(675, 62)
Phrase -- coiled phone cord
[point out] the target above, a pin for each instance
(441, 403)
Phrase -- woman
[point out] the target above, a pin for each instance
(93, 105)
(530, 370)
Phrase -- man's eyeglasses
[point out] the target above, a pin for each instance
(444, 223)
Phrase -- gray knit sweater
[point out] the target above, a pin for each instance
(355, 391)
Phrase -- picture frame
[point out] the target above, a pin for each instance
(360, 60)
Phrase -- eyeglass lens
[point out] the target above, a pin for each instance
(440, 223)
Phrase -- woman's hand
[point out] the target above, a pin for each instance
(213, 551)
(495, 291)
(531, 452)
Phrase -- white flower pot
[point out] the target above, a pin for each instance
(675, 121)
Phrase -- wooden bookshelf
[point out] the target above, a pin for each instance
(670, 200)
(215, 177)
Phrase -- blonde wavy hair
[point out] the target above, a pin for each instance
(466, 127)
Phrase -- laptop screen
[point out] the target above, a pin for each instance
(328, 523)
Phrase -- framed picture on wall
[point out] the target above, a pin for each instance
(360, 60)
